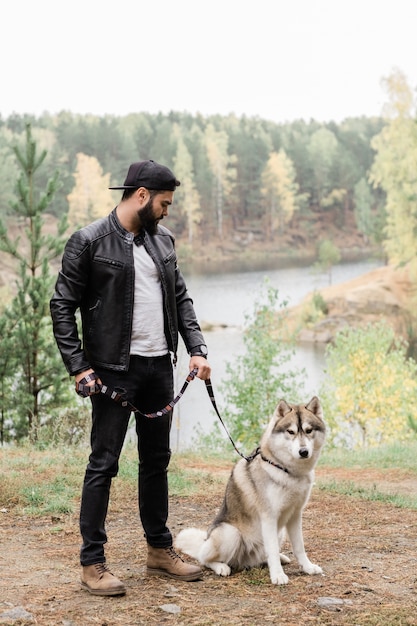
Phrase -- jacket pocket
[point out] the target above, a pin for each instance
(171, 258)
(112, 262)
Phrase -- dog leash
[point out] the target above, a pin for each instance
(85, 390)
(210, 392)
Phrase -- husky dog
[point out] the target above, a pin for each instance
(265, 496)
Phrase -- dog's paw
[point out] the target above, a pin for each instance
(280, 579)
(221, 569)
(312, 569)
(284, 558)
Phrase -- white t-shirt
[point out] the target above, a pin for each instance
(148, 337)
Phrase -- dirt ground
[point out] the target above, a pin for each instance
(368, 551)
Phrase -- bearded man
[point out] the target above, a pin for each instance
(121, 273)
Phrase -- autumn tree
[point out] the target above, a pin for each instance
(394, 170)
(31, 369)
(224, 172)
(186, 195)
(279, 190)
(91, 197)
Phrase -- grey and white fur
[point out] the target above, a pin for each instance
(264, 499)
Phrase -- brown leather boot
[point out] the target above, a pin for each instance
(166, 562)
(99, 581)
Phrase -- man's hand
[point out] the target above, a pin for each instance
(87, 383)
(201, 364)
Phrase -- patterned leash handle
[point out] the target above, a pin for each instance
(84, 390)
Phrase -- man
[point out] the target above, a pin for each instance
(121, 273)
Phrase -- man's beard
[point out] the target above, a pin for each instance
(147, 218)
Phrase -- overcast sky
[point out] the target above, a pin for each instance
(276, 59)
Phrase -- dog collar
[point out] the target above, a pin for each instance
(284, 469)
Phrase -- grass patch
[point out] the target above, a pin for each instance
(52, 497)
(349, 488)
(40, 481)
(190, 481)
(398, 455)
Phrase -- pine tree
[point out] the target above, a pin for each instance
(31, 371)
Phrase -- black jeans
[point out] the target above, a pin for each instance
(149, 386)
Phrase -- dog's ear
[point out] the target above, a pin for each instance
(283, 408)
(315, 407)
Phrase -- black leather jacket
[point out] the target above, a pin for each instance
(97, 277)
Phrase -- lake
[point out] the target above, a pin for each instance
(224, 299)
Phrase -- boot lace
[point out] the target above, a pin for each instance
(174, 556)
(101, 569)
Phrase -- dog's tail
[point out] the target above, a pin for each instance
(190, 541)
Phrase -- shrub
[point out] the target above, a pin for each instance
(370, 388)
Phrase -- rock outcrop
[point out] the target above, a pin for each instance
(383, 294)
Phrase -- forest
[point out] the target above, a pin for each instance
(243, 180)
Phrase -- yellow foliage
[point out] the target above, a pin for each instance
(335, 198)
(91, 198)
(187, 197)
(394, 171)
(279, 188)
(373, 392)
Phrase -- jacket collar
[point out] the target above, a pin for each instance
(118, 227)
